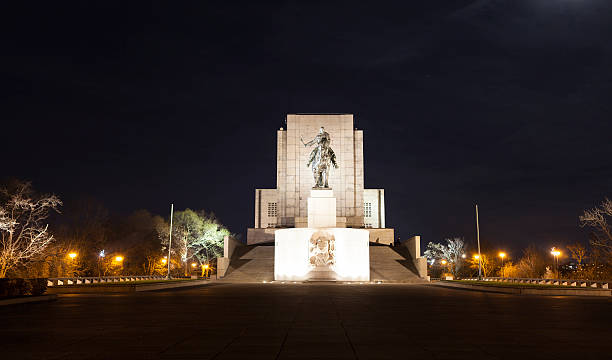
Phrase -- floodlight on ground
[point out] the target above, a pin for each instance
(206, 266)
(164, 261)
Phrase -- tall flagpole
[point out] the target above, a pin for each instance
(478, 239)
(170, 242)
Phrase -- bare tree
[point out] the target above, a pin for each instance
(486, 265)
(22, 224)
(578, 252)
(596, 218)
(532, 264)
(452, 252)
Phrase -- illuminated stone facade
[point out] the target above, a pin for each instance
(286, 206)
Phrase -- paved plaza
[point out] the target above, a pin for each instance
(308, 321)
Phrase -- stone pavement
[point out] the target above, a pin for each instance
(308, 321)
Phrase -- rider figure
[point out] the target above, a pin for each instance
(321, 157)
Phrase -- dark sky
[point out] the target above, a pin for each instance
(502, 103)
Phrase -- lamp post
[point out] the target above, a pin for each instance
(478, 239)
(119, 260)
(555, 253)
(502, 255)
(170, 240)
(101, 256)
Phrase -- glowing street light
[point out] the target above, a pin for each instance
(204, 270)
(72, 255)
(502, 255)
(443, 262)
(163, 261)
(193, 265)
(555, 253)
(119, 258)
(476, 257)
(463, 256)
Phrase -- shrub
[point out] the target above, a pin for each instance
(39, 286)
(19, 287)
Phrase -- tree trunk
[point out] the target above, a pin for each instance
(3, 270)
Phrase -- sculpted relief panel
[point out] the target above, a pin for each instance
(322, 250)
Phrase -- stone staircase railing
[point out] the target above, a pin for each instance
(62, 281)
(599, 284)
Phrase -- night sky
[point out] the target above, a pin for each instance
(502, 103)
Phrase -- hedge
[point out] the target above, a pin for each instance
(19, 287)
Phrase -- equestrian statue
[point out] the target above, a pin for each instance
(322, 157)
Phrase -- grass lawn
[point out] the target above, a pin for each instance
(517, 285)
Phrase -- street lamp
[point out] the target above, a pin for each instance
(164, 261)
(119, 258)
(555, 253)
(476, 257)
(502, 255)
(204, 270)
(101, 255)
(72, 255)
(193, 265)
(443, 262)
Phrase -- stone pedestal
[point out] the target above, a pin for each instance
(321, 209)
(293, 259)
(321, 251)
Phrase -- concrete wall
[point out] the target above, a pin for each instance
(382, 236)
(259, 236)
(414, 247)
(374, 206)
(229, 245)
(265, 200)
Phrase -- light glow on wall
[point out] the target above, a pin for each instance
(291, 255)
(352, 254)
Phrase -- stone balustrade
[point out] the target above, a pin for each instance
(62, 281)
(597, 284)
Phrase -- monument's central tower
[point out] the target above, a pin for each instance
(286, 206)
(294, 178)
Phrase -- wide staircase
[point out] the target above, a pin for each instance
(392, 264)
(255, 263)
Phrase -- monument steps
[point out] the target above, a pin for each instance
(391, 264)
(255, 263)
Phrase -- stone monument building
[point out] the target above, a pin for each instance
(286, 205)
